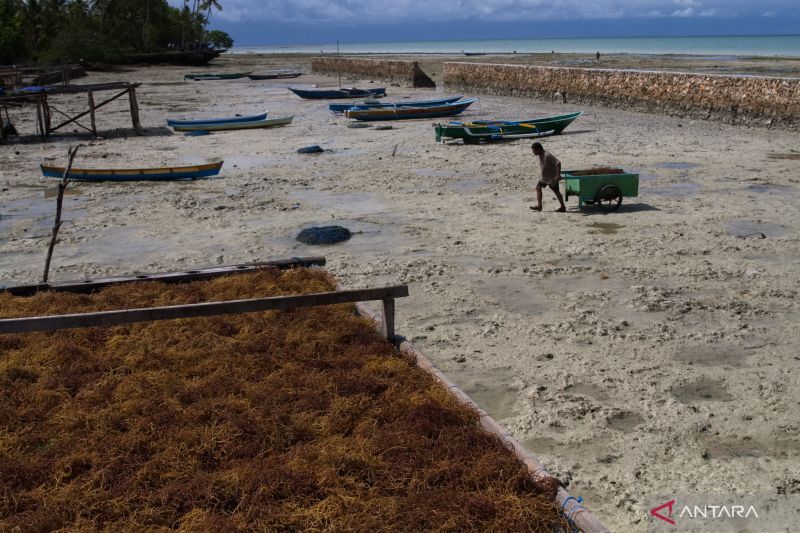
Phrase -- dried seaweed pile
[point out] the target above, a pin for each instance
(599, 171)
(278, 421)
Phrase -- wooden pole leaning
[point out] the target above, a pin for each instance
(62, 186)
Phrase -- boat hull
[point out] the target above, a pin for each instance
(276, 76)
(407, 113)
(341, 108)
(226, 120)
(228, 126)
(332, 94)
(137, 174)
(495, 130)
(216, 76)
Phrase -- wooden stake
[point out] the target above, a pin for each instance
(59, 201)
(134, 110)
(91, 112)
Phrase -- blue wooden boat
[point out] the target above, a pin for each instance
(227, 120)
(341, 108)
(400, 113)
(227, 126)
(135, 174)
(332, 94)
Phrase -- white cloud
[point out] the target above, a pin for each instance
(359, 12)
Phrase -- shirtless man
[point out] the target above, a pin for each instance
(551, 174)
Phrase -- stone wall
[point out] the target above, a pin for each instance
(749, 100)
(405, 73)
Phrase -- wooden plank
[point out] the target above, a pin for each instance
(82, 88)
(129, 316)
(92, 285)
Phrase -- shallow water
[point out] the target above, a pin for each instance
(746, 228)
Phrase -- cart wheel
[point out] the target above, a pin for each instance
(609, 198)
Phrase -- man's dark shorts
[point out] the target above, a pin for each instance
(542, 184)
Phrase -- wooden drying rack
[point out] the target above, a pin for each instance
(571, 507)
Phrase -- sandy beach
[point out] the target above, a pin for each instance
(645, 352)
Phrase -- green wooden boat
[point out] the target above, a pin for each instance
(216, 76)
(603, 187)
(496, 130)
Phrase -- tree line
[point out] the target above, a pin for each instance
(52, 31)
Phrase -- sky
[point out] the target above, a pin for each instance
(264, 22)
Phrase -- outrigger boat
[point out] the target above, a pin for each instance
(216, 76)
(331, 94)
(227, 126)
(399, 113)
(367, 104)
(135, 174)
(240, 118)
(275, 75)
(497, 130)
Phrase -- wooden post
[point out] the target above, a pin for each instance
(388, 319)
(47, 115)
(61, 188)
(40, 118)
(91, 113)
(134, 110)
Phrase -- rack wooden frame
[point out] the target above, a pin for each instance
(45, 109)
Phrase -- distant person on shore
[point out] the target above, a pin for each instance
(598, 56)
(550, 168)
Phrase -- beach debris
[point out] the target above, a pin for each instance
(383, 127)
(312, 149)
(394, 151)
(324, 235)
(356, 125)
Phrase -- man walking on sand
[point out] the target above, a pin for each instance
(551, 173)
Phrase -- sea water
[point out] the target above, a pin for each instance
(724, 46)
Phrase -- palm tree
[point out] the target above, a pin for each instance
(207, 6)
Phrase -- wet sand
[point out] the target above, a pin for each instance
(647, 351)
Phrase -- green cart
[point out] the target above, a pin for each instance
(603, 187)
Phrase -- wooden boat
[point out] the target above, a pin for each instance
(332, 94)
(227, 126)
(496, 130)
(135, 174)
(399, 113)
(243, 118)
(276, 75)
(341, 108)
(216, 76)
(174, 57)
